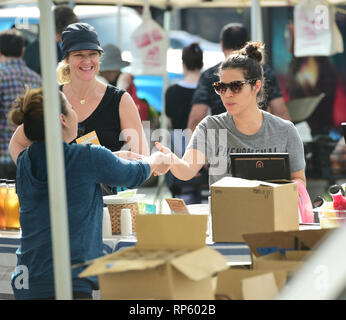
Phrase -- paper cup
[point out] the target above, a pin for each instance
(106, 224)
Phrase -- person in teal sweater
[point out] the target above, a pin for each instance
(86, 167)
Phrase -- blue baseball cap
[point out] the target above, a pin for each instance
(79, 36)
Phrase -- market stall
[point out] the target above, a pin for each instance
(56, 167)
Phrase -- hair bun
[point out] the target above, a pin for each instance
(16, 115)
(25, 104)
(253, 50)
(196, 47)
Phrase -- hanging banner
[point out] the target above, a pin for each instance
(315, 30)
(149, 43)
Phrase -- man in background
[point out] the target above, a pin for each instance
(64, 16)
(14, 77)
(233, 37)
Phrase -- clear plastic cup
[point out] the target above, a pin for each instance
(330, 218)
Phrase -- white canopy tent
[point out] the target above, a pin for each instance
(55, 163)
(164, 4)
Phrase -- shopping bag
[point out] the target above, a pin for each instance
(306, 214)
(315, 30)
(149, 43)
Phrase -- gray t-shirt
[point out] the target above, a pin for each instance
(217, 137)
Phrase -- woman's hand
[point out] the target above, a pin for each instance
(160, 163)
(166, 151)
(129, 155)
(162, 149)
(187, 167)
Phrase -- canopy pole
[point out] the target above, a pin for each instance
(120, 43)
(55, 157)
(167, 28)
(256, 22)
(164, 123)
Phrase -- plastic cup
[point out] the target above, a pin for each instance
(106, 224)
(330, 218)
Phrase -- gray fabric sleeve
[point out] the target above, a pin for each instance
(295, 149)
(198, 140)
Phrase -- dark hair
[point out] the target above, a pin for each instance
(11, 43)
(248, 59)
(233, 36)
(192, 57)
(64, 16)
(28, 109)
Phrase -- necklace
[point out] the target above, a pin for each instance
(83, 100)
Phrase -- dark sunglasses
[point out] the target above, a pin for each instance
(234, 86)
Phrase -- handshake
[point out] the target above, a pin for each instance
(160, 161)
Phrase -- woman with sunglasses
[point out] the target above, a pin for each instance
(244, 127)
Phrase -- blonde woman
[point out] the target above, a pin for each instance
(105, 109)
(100, 107)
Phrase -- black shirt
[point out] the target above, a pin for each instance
(105, 120)
(178, 104)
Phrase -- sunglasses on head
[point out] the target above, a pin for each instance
(234, 86)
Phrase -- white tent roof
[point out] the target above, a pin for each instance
(184, 3)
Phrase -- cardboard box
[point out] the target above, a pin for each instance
(283, 250)
(170, 261)
(277, 255)
(240, 206)
(261, 244)
(268, 276)
(233, 284)
(288, 262)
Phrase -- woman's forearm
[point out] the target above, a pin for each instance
(182, 170)
(187, 167)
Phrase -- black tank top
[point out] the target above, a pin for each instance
(105, 120)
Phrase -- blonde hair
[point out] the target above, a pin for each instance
(63, 72)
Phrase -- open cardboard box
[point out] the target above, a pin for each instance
(170, 261)
(240, 206)
(234, 284)
(276, 256)
(262, 244)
